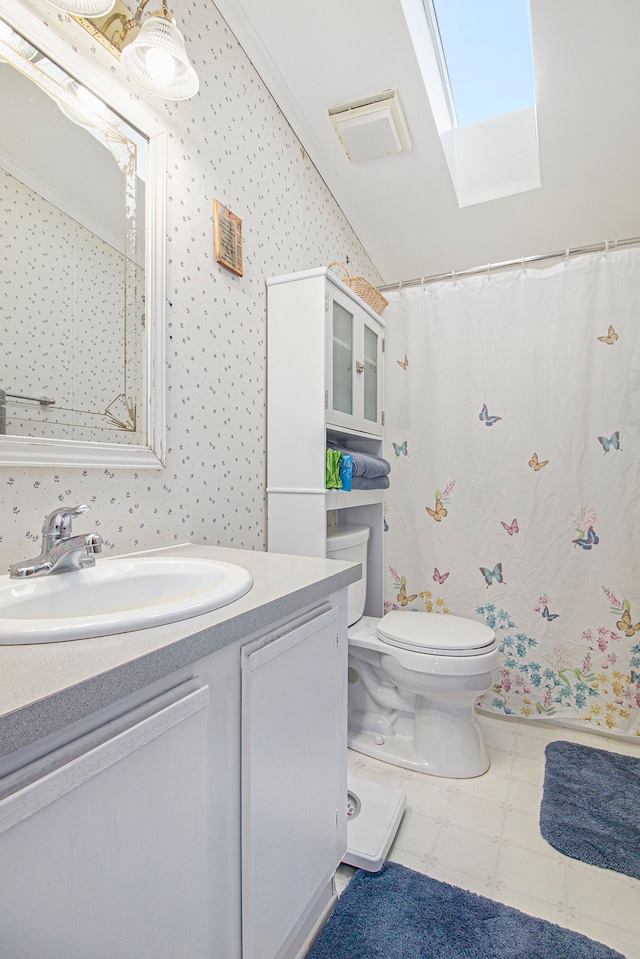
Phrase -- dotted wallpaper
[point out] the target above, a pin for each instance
(232, 143)
(57, 275)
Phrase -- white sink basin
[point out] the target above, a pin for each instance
(117, 595)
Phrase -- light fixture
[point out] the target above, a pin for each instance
(16, 43)
(152, 51)
(157, 60)
(90, 111)
(84, 8)
(87, 111)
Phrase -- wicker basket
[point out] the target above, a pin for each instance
(362, 288)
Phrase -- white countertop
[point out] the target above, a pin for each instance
(46, 686)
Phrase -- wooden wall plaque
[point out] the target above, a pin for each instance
(227, 238)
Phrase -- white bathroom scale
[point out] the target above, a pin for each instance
(374, 812)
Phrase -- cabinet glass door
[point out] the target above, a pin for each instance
(370, 374)
(354, 365)
(342, 385)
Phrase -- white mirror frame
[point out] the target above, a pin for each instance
(30, 451)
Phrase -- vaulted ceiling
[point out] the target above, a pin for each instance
(403, 207)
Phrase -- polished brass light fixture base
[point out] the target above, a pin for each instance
(115, 30)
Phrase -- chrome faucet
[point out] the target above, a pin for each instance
(61, 551)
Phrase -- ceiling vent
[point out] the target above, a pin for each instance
(372, 127)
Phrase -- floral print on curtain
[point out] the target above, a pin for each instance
(513, 427)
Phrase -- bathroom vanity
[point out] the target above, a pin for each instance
(179, 792)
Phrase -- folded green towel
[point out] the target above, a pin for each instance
(334, 458)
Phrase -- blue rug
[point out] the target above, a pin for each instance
(591, 806)
(400, 914)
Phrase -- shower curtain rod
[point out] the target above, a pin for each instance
(506, 264)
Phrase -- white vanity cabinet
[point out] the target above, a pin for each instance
(102, 855)
(324, 381)
(204, 822)
(294, 828)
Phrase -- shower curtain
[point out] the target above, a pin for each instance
(513, 423)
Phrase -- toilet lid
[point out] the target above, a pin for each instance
(434, 633)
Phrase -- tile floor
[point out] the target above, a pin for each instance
(483, 835)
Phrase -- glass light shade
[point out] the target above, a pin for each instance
(84, 8)
(157, 60)
(16, 42)
(82, 116)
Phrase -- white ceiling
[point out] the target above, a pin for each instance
(403, 207)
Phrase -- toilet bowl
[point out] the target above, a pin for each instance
(414, 704)
(414, 678)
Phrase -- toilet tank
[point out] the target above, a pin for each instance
(349, 544)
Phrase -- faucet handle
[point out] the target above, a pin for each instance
(74, 511)
(57, 525)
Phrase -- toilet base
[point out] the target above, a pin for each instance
(400, 751)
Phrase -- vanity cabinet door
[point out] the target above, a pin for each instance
(293, 781)
(102, 857)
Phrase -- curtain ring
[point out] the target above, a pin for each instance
(566, 255)
(522, 264)
(606, 248)
(454, 278)
(488, 271)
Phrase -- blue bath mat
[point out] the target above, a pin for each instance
(591, 806)
(400, 914)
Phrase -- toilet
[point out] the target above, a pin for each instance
(414, 678)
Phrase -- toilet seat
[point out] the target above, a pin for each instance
(435, 633)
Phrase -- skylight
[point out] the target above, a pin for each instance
(476, 61)
(485, 46)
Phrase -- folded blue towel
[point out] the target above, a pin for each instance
(373, 482)
(365, 464)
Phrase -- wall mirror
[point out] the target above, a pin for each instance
(82, 234)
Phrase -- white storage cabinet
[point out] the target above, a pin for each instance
(353, 394)
(325, 350)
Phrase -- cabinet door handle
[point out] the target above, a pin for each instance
(359, 367)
